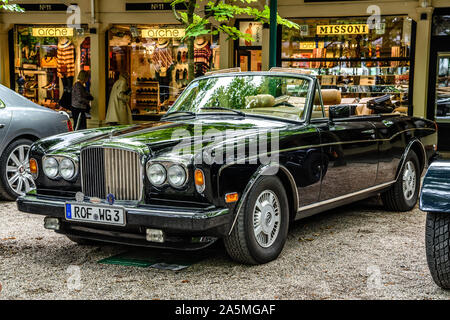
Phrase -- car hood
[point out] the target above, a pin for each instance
(161, 137)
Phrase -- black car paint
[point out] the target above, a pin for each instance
(320, 159)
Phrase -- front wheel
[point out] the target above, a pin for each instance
(403, 194)
(437, 242)
(15, 177)
(261, 228)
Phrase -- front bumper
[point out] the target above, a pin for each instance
(181, 224)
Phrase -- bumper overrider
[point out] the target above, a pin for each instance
(183, 228)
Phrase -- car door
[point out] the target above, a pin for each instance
(5, 120)
(350, 155)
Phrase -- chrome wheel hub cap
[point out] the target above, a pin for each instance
(18, 170)
(266, 218)
(409, 180)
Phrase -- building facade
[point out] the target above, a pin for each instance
(363, 48)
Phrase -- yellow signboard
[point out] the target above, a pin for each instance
(162, 33)
(309, 45)
(52, 32)
(343, 29)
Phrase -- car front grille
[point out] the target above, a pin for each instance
(111, 170)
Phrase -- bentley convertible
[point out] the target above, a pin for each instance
(238, 156)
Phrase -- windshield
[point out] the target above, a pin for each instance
(277, 96)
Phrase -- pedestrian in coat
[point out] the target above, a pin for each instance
(118, 110)
(81, 99)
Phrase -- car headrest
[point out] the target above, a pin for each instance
(329, 96)
(260, 101)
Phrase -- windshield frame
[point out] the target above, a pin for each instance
(308, 104)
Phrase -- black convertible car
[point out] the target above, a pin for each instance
(238, 156)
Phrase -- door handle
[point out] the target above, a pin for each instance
(371, 131)
(2, 125)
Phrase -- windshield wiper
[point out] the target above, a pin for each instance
(178, 113)
(227, 109)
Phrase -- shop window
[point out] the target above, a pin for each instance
(346, 54)
(47, 59)
(156, 61)
(441, 25)
(248, 54)
(443, 88)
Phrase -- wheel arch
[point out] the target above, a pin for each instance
(287, 180)
(416, 146)
(28, 136)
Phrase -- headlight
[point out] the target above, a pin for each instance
(67, 169)
(176, 175)
(50, 167)
(156, 173)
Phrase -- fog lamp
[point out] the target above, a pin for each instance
(155, 235)
(51, 223)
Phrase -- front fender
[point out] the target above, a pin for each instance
(435, 194)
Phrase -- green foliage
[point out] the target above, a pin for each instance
(222, 13)
(5, 5)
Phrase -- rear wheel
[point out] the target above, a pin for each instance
(15, 177)
(261, 228)
(403, 194)
(437, 240)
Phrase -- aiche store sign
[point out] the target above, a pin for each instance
(162, 33)
(52, 32)
(343, 29)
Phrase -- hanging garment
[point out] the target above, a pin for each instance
(65, 59)
(85, 52)
(118, 110)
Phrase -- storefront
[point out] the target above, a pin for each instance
(156, 61)
(439, 81)
(47, 58)
(360, 60)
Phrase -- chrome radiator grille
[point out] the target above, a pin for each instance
(110, 170)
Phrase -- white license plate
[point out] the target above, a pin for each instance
(95, 213)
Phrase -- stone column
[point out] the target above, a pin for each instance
(422, 60)
(98, 74)
(4, 55)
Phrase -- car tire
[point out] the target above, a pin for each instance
(265, 211)
(403, 194)
(82, 241)
(437, 243)
(7, 191)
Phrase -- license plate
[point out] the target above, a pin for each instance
(95, 213)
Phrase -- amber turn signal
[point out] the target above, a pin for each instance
(231, 197)
(33, 167)
(199, 178)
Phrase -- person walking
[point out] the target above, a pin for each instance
(118, 110)
(81, 99)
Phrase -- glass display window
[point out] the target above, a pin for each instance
(46, 60)
(156, 61)
(347, 54)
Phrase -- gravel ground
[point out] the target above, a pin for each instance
(355, 252)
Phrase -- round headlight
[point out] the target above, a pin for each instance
(67, 169)
(176, 175)
(156, 173)
(50, 167)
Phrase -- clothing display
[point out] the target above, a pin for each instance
(158, 67)
(202, 56)
(45, 66)
(66, 58)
